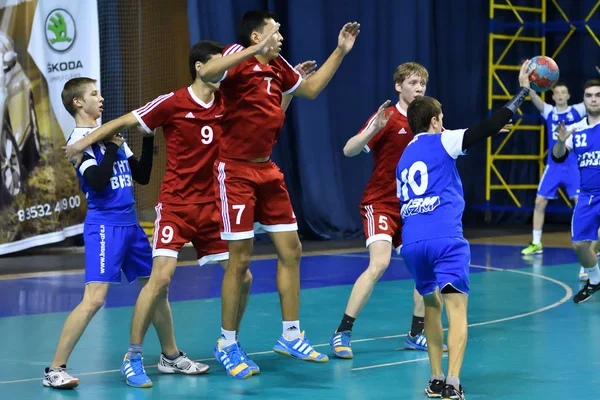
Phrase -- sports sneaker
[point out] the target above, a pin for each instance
(181, 365)
(135, 374)
(340, 344)
(586, 292)
(533, 249)
(451, 393)
(234, 360)
(583, 276)
(418, 342)
(299, 348)
(58, 378)
(434, 388)
(253, 367)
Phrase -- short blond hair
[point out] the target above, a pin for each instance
(74, 89)
(403, 71)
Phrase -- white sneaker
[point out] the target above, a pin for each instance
(58, 378)
(181, 365)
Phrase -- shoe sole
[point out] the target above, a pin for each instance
(144, 386)
(69, 385)
(345, 357)
(433, 395)
(171, 370)
(533, 253)
(285, 353)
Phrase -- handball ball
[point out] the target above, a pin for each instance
(545, 74)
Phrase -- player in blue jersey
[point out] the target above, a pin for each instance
(434, 249)
(583, 140)
(555, 175)
(114, 240)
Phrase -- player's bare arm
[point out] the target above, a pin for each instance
(305, 69)
(536, 100)
(560, 148)
(356, 143)
(214, 69)
(310, 88)
(104, 132)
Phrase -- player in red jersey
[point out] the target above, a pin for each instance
(386, 134)
(250, 186)
(186, 211)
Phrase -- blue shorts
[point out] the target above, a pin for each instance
(110, 249)
(439, 262)
(586, 218)
(554, 177)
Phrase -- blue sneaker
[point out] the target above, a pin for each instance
(135, 374)
(340, 344)
(418, 342)
(251, 364)
(234, 360)
(299, 348)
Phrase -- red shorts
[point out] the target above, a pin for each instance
(178, 224)
(382, 222)
(252, 196)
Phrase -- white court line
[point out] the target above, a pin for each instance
(568, 294)
(393, 363)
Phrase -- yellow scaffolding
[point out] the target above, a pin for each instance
(523, 18)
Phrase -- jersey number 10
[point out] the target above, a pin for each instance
(408, 179)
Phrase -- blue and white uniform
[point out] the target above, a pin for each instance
(565, 174)
(584, 143)
(432, 204)
(114, 240)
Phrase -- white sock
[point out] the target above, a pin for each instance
(229, 338)
(291, 329)
(537, 237)
(593, 274)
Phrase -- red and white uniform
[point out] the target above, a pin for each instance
(380, 207)
(186, 209)
(249, 192)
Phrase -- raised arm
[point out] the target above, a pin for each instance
(560, 151)
(501, 116)
(356, 143)
(104, 132)
(306, 70)
(310, 88)
(537, 100)
(215, 68)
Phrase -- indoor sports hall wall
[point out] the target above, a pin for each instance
(448, 37)
(144, 53)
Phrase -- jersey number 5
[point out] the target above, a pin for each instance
(408, 179)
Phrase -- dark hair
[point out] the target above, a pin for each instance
(591, 83)
(74, 89)
(420, 112)
(560, 84)
(202, 52)
(250, 22)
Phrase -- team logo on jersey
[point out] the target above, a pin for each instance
(570, 116)
(402, 131)
(256, 68)
(60, 30)
(189, 115)
(420, 205)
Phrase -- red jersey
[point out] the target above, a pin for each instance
(192, 131)
(387, 147)
(252, 94)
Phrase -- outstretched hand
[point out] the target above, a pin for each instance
(306, 68)
(562, 134)
(381, 118)
(348, 36)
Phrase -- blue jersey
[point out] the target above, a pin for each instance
(115, 204)
(569, 116)
(429, 187)
(585, 144)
